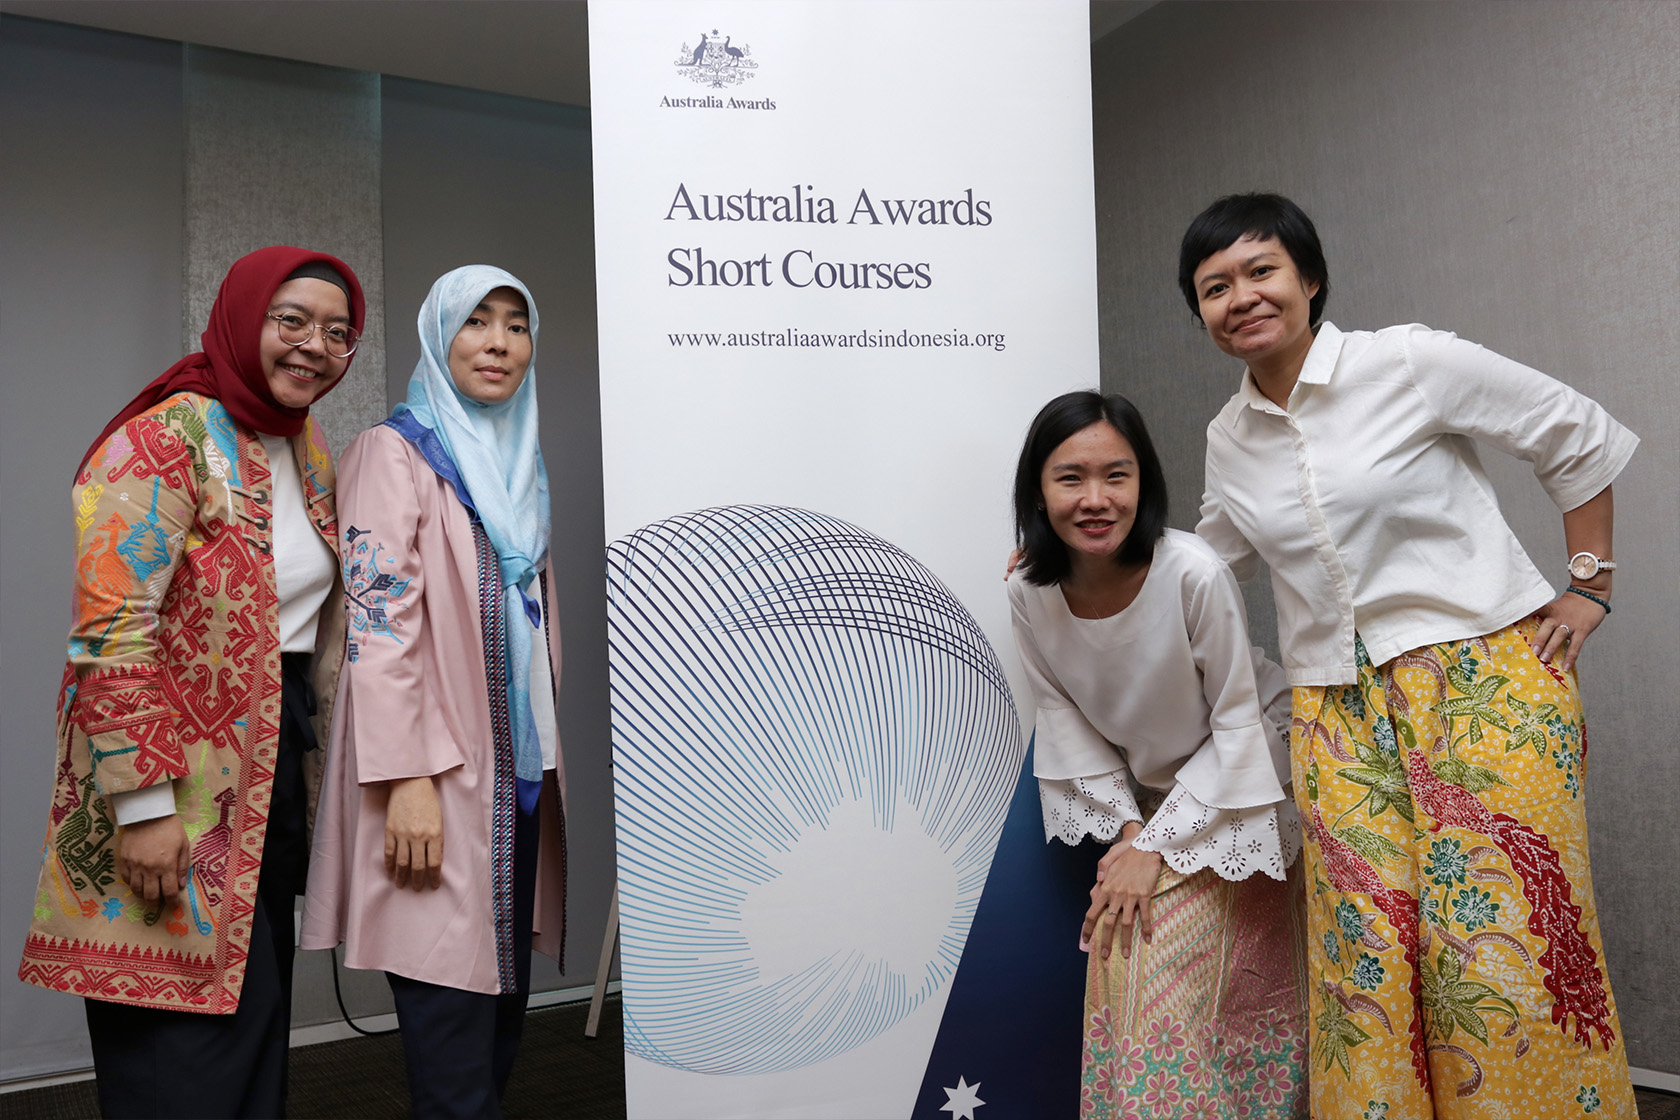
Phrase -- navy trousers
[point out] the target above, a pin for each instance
(460, 1046)
(152, 1062)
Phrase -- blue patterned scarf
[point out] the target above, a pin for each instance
(495, 452)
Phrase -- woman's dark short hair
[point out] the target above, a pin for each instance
(1046, 559)
(1263, 215)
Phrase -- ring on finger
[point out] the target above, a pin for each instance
(1566, 629)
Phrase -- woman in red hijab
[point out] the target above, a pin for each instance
(208, 615)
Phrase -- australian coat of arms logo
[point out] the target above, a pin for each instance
(717, 62)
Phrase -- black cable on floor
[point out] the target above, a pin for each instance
(342, 1010)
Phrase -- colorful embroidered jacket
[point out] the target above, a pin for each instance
(173, 673)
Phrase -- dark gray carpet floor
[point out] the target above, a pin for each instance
(560, 1074)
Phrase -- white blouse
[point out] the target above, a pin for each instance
(1368, 502)
(1168, 694)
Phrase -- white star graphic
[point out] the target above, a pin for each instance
(963, 1100)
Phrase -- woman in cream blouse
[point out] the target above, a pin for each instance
(1136, 649)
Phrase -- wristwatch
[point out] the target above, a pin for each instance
(1584, 565)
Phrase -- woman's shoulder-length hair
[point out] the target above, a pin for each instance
(1045, 559)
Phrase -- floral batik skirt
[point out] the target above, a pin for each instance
(1208, 1020)
(1454, 955)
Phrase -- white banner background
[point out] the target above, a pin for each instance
(903, 100)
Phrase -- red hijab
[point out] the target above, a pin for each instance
(229, 368)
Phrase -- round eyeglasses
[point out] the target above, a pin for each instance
(295, 330)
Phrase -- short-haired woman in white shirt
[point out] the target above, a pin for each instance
(1135, 646)
(1438, 746)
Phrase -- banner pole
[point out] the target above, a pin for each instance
(603, 969)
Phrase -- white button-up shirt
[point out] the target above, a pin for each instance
(1367, 500)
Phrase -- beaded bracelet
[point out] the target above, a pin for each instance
(1605, 603)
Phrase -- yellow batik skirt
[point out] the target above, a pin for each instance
(1455, 966)
(1207, 1021)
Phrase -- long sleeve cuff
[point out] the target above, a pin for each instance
(1075, 808)
(144, 804)
(1236, 843)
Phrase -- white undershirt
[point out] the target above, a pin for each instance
(542, 698)
(303, 564)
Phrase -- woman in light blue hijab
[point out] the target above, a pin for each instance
(445, 727)
(488, 430)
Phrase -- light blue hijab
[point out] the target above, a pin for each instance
(495, 452)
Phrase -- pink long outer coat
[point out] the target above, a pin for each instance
(413, 700)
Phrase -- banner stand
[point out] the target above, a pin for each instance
(844, 251)
(603, 967)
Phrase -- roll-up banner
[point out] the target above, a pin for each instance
(844, 251)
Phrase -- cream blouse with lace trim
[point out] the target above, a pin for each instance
(1166, 694)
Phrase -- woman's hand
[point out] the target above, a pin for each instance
(1568, 619)
(1589, 527)
(414, 834)
(1015, 557)
(1125, 884)
(153, 857)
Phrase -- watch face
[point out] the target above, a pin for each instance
(1583, 565)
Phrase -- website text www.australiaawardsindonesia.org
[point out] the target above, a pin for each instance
(903, 339)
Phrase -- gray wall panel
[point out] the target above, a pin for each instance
(90, 283)
(286, 153)
(1504, 170)
(489, 179)
(136, 171)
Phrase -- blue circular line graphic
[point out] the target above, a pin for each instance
(814, 746)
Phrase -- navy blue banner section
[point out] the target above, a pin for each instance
(1010, 1040)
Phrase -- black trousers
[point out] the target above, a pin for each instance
(460, 1046)
(152, 1062)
